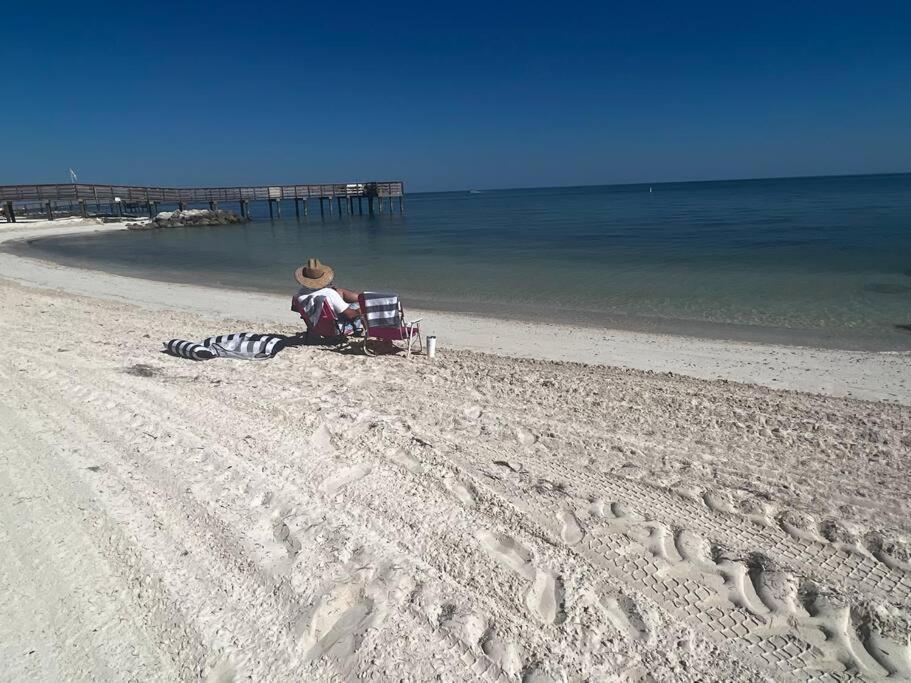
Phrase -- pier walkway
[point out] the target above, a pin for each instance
(124, 197)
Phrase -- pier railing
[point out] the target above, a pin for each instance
(106, 193)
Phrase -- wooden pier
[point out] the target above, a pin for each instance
(125, 199)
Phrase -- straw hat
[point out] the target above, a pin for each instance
(315, 274)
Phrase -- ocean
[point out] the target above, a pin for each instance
(813, 261)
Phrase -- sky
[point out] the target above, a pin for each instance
(450, 96)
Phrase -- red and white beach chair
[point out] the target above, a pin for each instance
(320, 319)
(384, 320)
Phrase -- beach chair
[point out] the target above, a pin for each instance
(320, 319)
(384, 320)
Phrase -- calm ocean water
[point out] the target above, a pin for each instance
(813, 260)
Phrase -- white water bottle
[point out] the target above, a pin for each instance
(431, 346)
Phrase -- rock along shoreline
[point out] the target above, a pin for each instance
(189, 218)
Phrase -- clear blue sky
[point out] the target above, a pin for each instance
(452, 95)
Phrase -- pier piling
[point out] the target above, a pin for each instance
(10, 214)
(50, 211)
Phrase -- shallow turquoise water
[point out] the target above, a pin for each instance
(814, 260)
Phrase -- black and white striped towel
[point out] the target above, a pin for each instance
(382, 310)
(245, 345)
(241, 345)
(188, 349)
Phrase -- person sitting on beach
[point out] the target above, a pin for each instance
(316, 279)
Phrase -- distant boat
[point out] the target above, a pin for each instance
(474, 192)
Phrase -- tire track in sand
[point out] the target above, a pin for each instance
(716, 595)
(131, 422)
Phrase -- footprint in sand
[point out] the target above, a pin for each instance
(545, 598)
(571, 532)
(845, 637)
(321, 440)
(625, 616)
(471, 626)
(596, 508)
(694, 549)
(800, 525)
(461, 491)
(401, 457)
(341, 479)
(504, 654)
(339, 623)
(719, 501)
(508, 552)
(775, 588)
(623, 511)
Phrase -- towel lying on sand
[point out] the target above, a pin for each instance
(241, 345)
(187, 349)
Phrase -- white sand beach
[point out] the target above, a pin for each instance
(582, 505)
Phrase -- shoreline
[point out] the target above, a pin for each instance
(508, 313)
(781, 329)
(872, 375)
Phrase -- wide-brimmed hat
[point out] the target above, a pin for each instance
(315, 274)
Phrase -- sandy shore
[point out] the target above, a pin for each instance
(325, 516)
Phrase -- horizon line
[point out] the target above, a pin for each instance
(668, 182)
